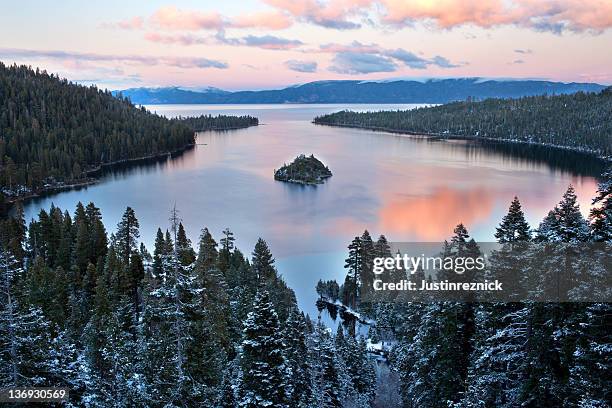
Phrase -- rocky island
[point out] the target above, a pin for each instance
(303, 170)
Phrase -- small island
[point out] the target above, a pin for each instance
(303, 170)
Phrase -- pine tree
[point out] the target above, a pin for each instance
(264, 371)
(263, 261)
(565, 223)
(25, 348)
(513, 227)
(590, 382)
(366, 274)
(601, 213)
(185, 251)
(296, 354)
(354, 265)
(159, 252)
(227, 247)
(127, 235)
(329, 385)
(98, 237)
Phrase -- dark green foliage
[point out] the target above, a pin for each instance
(513, 227)
(601, 213)
(122, 328)
(303, 170)
(186, 253)
(127, 235)
(53, 130)
(580, 121)
(219, 122)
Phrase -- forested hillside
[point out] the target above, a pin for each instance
(219, 122)
(581, 121)
(52, 130)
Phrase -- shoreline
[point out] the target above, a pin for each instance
(444, 136)
(94, 173)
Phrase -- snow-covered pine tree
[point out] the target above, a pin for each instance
(601, 213)
(209, 320)
(25, 347)
(166, 328)
(328, 371)
(513, 227)
(296, 355)
(265, 381)
(566, 223)
(497, 363)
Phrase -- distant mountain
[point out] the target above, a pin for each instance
(400, 91)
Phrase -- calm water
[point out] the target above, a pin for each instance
(406, 188)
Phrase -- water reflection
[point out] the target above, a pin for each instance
(404, 187)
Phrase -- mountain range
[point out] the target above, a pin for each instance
(348, 91)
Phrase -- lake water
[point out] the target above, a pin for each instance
(408, 188)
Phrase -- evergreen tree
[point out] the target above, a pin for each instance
(513, 227)
(25, 348)
(354, 265)
(159, 252)
(227, 247)
(263, 262)
(601, 213)
(185, 251)
(265, 379)
(329, 386)
(296, 354)
(127, 235)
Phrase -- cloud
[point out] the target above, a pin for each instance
(267, 42)
(410, 59)
(355, 46)
(301, 66)
(181, 62)
(172, 18)
(556, 16)
(134, 23)
(337, 14)
(183, 39)
(443, 62)
(553, 15)
(357, 63)
(273, 20)
(270, 42)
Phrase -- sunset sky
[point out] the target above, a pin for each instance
(261, 44)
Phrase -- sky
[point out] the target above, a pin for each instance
(266, 44)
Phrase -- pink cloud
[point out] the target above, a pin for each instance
(134, 23)
(273, 20)
(355, 46)
(542, 15)
(183, 39)
(172, 18)
(331, 14)
(552, 15)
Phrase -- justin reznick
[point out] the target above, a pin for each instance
(406, 285)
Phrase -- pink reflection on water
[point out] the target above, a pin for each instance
(432, 217)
